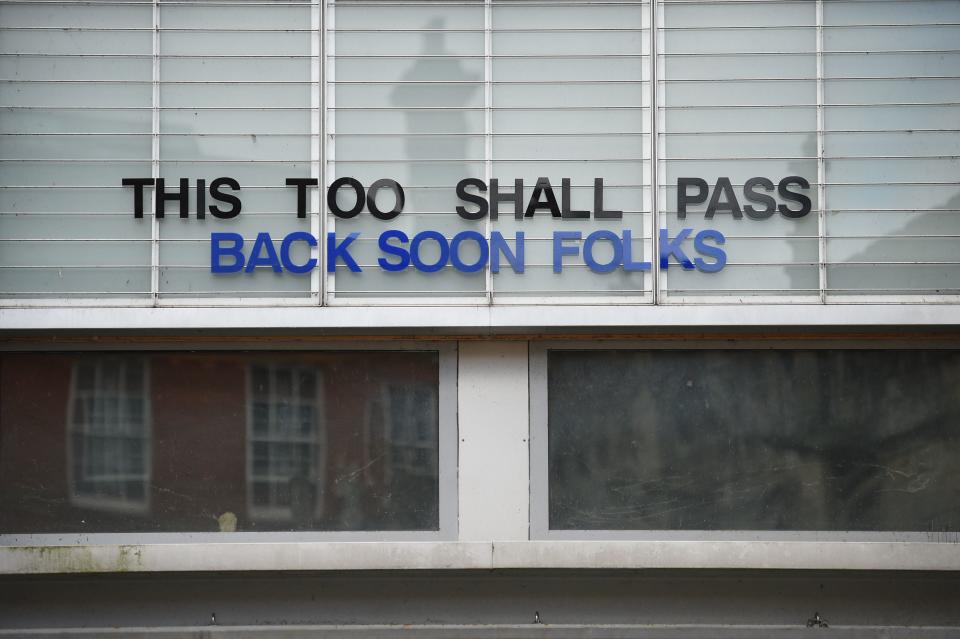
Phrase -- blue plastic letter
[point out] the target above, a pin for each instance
(499, 245)
(670, 247)
(596, 266)
(341, 251)
(559, 250)
(217, 250)
(263, 253)
(415, 251)
(455, 243)
(628, 263)
(390, 249)
(710, 251)
(288, 264)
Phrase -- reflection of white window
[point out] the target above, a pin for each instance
(109, 434)
(285, 443)
(410, 428)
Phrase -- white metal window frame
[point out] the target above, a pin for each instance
(446, 484)
(493, 416)
(539, 451)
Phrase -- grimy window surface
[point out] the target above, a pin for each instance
(187, 442)
(782, 440)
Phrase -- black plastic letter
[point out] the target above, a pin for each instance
(201, 199)
(496, 197)
(565, 198)
(598, 211)
(302, 184)
(770, 204)
(394, 186)
(137, 184)
(182, 196)
(332, 197)
(730, 205)
(683, 199)
(792, 196)
(543, 188)
(225, 197)
(472, 198)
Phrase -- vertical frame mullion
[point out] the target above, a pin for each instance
(821, 168)
(155, 157)
(539, 507)
(448, 488)
(250, 443)
(329, 141)
(654, 114)
(317, 134)
(488, 126)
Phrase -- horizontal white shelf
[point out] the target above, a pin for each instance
(804, 555)
(479, 317)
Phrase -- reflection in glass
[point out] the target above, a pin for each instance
(413, 440)
(891, 146)
(184, 442)
(727, 112)
(561, 109)
(436, 80)
(286, 443)
(754, 440)
(110, 445)
(430, 98)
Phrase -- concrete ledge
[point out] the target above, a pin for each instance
(340, 556)
(478, 317)
(530, 631)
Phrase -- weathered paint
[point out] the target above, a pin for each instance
(597, 554)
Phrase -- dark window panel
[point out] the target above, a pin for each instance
(183, 442)
(832, 440)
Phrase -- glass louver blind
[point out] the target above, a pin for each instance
(739, 101)
(431, 93)
(76, 118)
(96, 92)
(891, 92)
(237, 99)
(858, 97)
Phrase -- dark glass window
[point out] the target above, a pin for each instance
(832, 440)
(195, 442)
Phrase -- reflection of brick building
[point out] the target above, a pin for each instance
(194, 460)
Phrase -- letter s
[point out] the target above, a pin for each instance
(792, 196)
(710, 251)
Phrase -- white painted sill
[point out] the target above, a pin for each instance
(441, 555)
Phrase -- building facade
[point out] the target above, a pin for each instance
(602, 318)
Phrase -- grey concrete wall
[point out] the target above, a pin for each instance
(774, 600)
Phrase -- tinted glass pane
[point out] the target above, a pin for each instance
(188, 442)
(754, 440)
